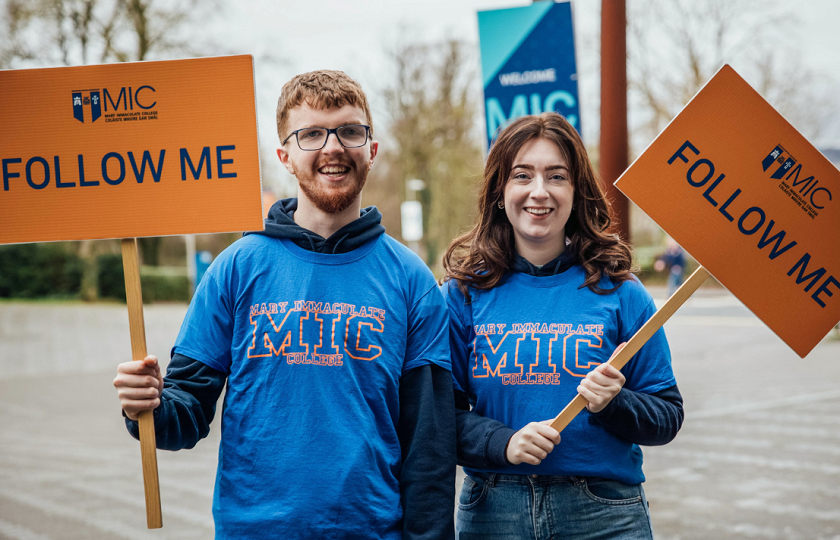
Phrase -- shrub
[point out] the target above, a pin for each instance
(158, 284)
(110, 279)
(39, 270)
(164, 284)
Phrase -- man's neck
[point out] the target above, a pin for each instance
(312, 218)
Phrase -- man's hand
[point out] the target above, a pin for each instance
(601, 385)
(139, 385)
(532, 443)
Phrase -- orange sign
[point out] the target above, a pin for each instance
(129, 150)
(753, 202)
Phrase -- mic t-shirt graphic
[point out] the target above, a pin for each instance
(314, 346)
(520, 350)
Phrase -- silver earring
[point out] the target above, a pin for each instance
(501, 205)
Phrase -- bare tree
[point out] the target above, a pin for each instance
(15, 18)
(74, 32)
(433, 137)
(675, 46)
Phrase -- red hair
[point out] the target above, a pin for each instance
(323, 89)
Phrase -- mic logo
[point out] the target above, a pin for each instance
(803, 188)
(782, 157)
(87, 99)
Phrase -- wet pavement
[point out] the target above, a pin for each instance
(758, 456)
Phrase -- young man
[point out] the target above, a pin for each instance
(338, 419)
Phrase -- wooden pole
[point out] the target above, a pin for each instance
(134, 299)
(645, 332)
(613, 155)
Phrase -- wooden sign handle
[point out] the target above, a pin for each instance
(645, 332)
(148, 453)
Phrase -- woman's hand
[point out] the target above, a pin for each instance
(602, 384)
(532, 443)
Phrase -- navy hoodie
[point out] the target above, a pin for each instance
(426, 425)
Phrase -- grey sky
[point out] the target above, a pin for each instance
(287, 38)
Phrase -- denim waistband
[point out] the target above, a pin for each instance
(498, 478)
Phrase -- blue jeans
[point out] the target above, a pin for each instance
(674, 282)
(516, 507)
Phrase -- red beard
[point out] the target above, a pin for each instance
(328, 199)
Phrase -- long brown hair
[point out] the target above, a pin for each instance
(481, 257)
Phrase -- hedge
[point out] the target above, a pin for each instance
(159, 284)
(52, 271)
(39, 271)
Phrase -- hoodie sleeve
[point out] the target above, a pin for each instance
(426, 430)
(482, 442)
(646, 419)
(187, 405)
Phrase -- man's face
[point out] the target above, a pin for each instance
(331, 178)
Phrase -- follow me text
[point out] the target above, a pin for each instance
(751, 220)
(40, 173)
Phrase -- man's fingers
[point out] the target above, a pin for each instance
(138, 394)
(137, 368)
(152, 362)
(137, 381)
(139, 385)
(134, 410)
(129, 380)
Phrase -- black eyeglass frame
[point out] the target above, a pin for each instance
(330, 131)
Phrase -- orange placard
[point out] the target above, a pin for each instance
(756, 204)
(129, 150)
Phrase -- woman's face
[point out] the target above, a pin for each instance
(538, 198)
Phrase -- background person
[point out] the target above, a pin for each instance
(540, 294)
(673, 259)
(332, 338)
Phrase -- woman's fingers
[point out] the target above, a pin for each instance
(532, 443)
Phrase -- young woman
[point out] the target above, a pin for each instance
(540, 295)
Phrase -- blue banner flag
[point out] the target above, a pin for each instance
(528, 63)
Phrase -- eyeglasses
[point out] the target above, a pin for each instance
(315, 138)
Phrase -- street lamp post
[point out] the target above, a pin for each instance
(411, 212)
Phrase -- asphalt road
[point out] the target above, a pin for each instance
(758, 456)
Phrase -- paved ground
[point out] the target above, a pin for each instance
(758, 457)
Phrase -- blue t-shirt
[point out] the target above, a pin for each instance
(314, 346)
(520, 350)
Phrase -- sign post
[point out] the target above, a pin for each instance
(137, 330)
(753, 202)
(125, 151)
(640, 338)
(528, 63)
